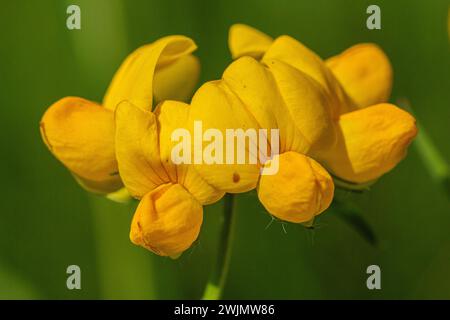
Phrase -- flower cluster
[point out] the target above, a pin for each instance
(333, 120)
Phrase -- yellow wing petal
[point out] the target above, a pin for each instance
(280, 96)
(167, 220)
(244, 40)
(134, 81)
(217, 107)
(254, 85)
(173, 115)
(177, 80)
(307, 105)
(365, 73)
(292, 52)
(371, 142)
(137, 150)
(300, 190)
(80, 134)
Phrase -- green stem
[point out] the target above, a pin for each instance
(431, 157)
(436, 165)
(216, 282)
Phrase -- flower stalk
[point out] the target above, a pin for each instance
(218, 276)
(432, 158)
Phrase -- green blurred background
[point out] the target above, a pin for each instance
(48, 222)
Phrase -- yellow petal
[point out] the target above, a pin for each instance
(254, 85)
(307, 105)
(134, 81)
(300, 190)
(372, 141)
(198, 187)
(137, 150)
(167, 220)
(173, 115)
(280, 96)
(177, 80)
(365, 73)
(244, 40)
(217, 107)
(80, 134)
(292, 52)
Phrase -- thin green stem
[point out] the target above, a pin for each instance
(431, 157)
(436, 165)
(217, 279)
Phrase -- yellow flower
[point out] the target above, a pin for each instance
(330, 115)
(372, 135)
(80, 133)
(271, 95)
(168, 218)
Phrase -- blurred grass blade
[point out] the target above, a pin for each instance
(351, 215)
(429, 153)
(102, 42)
(125, 270)
(433, 160)
(14, 286)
